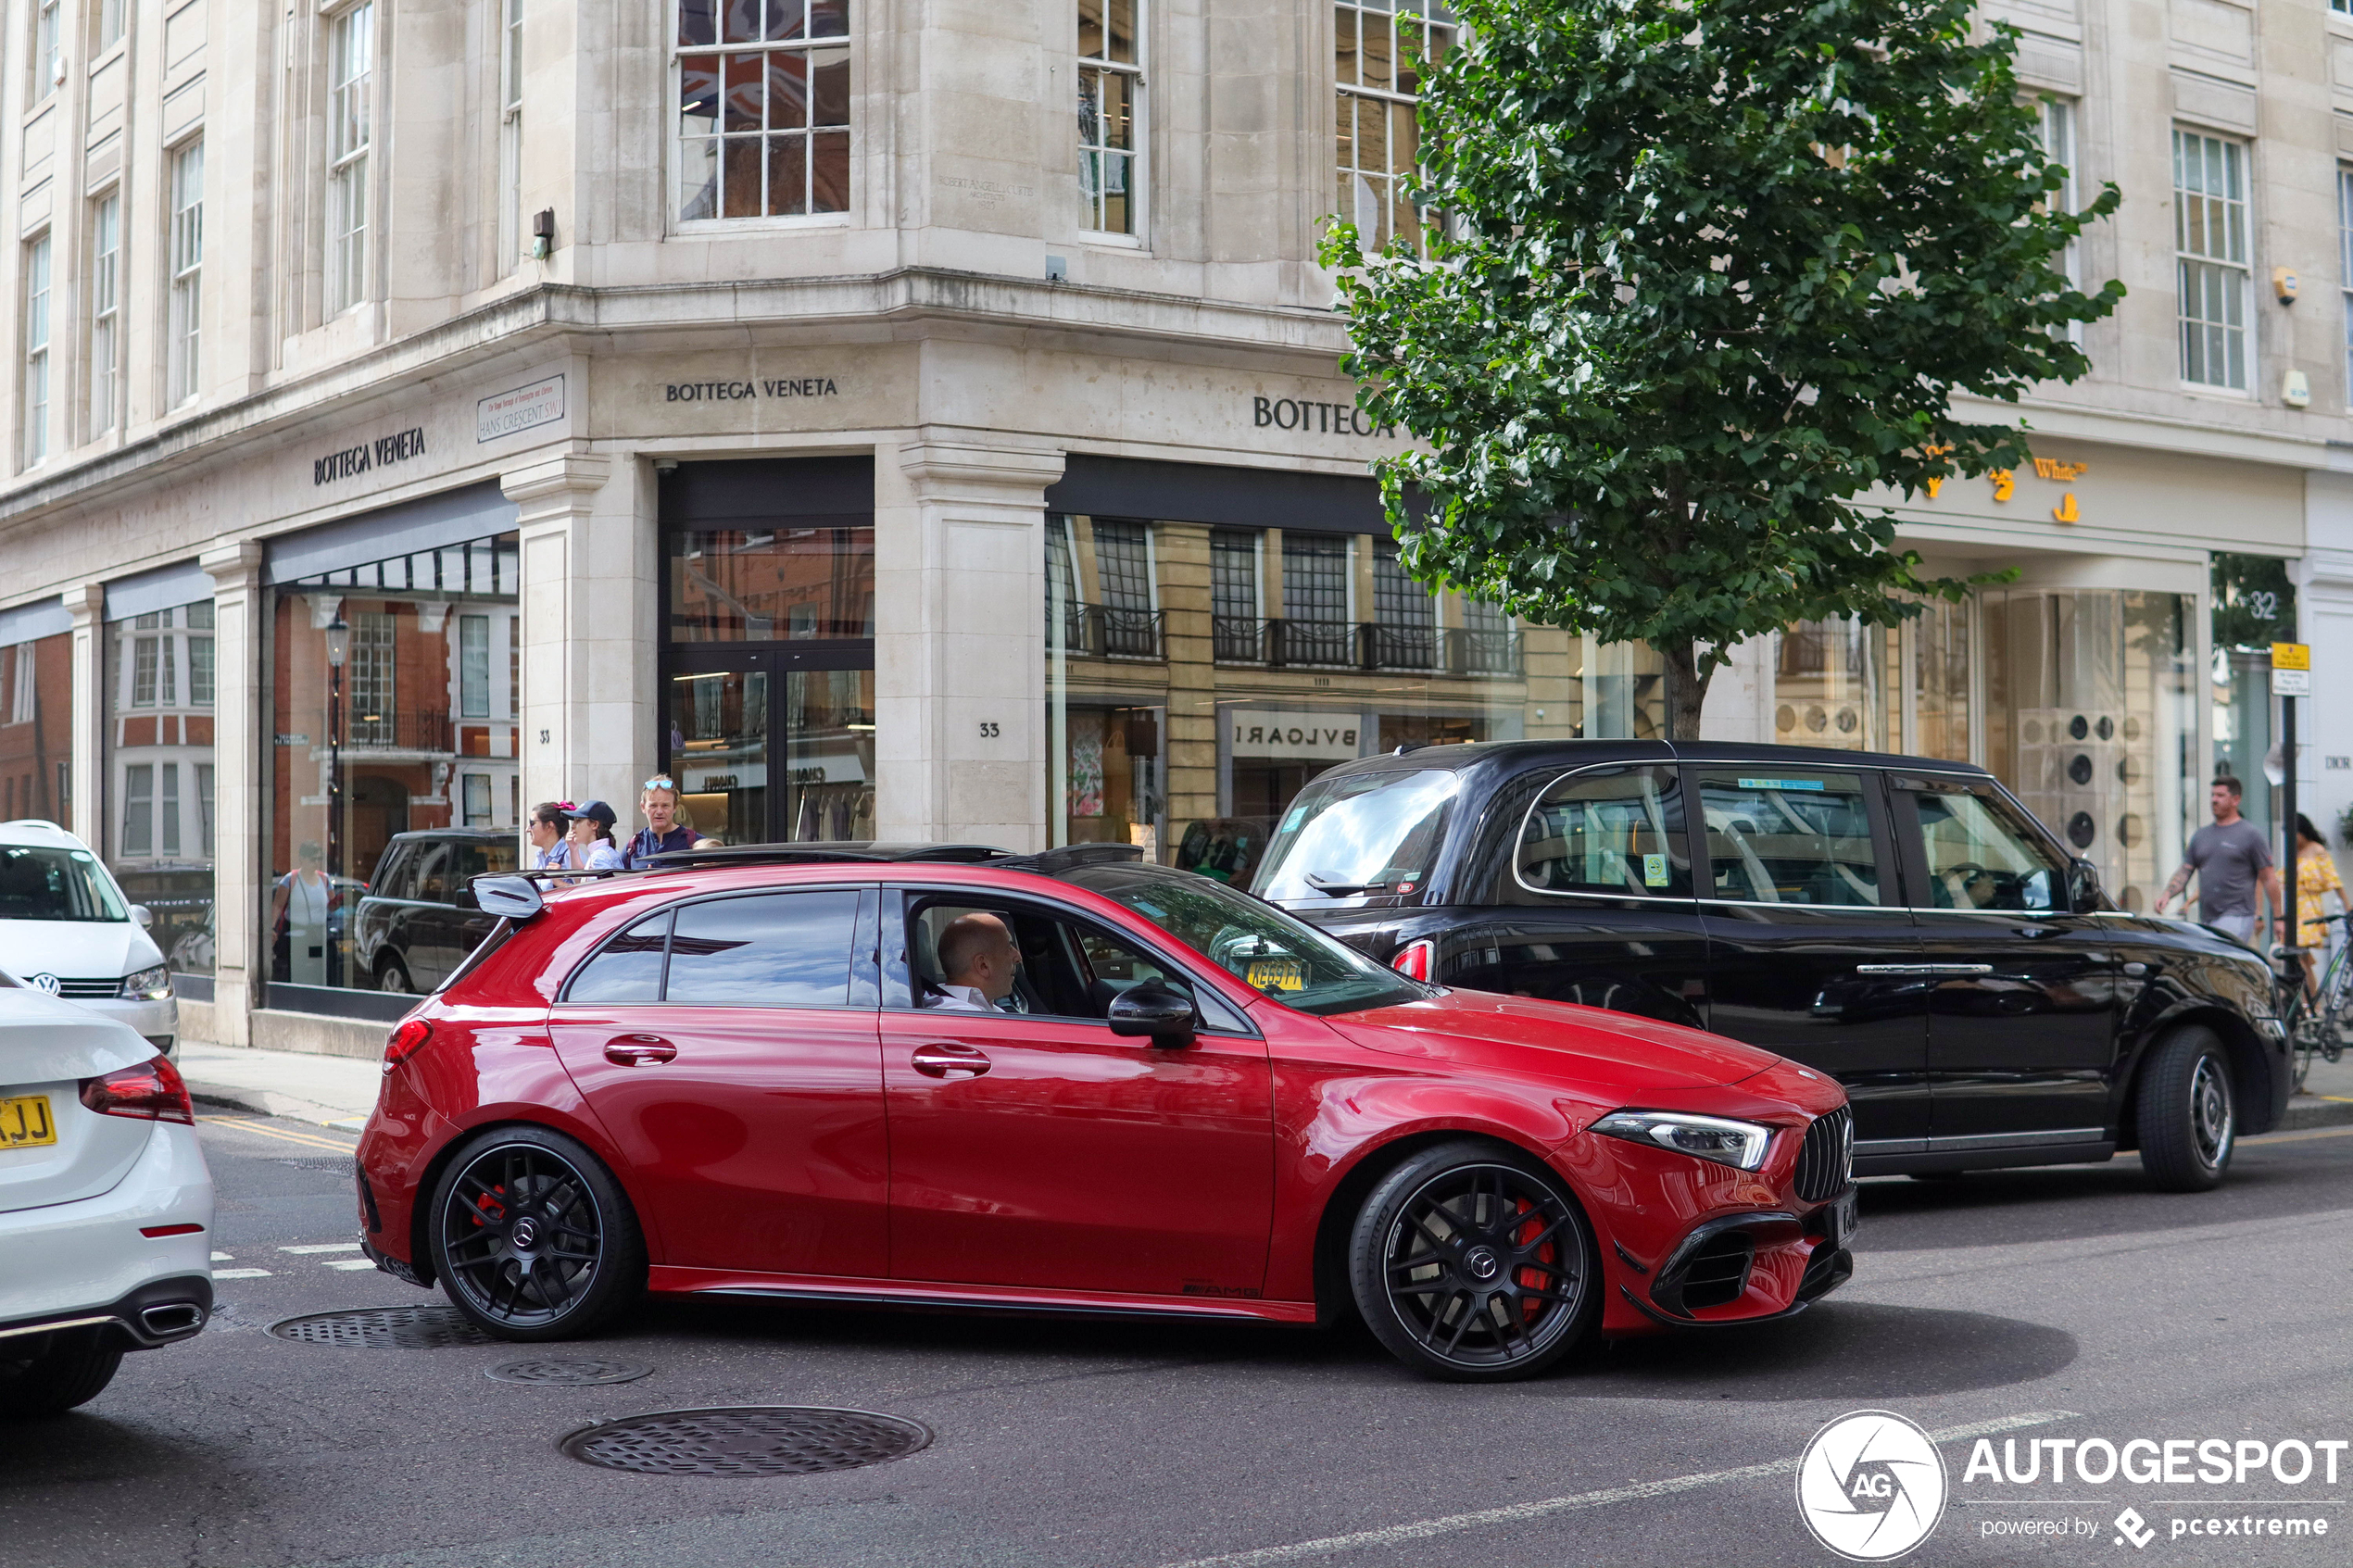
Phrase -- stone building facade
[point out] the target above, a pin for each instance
(924, 422)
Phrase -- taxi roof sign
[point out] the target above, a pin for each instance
(2291, 656)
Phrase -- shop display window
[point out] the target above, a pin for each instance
(394, 695)
(159, 820)
(36, 730)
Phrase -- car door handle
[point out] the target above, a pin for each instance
(1923, 968)
(2038, 932)
(635, 1051)
(950, 1061)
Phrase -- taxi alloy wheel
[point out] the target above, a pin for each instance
(1471, 1263)
(533, 1238)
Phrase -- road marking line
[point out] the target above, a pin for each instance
(1423, 1529)
(323, 1247)
(2262, 1140)
(241, 1273)
(349, 1262)
(245, 1124)
(224, 1257)
(349, 1124)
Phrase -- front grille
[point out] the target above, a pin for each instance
(1716, 1274)
(1826, 1161)
(84, 990)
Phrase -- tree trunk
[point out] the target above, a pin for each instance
(1686, 689)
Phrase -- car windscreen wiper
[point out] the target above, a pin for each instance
(1341, 889)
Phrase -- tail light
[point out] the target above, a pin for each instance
(1416, 960)
(152, 1091)
(406, 1041)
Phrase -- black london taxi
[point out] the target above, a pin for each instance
(1901, 923)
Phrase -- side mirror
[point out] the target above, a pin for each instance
(2082, 887)
(142, 915)
(1162, 1013)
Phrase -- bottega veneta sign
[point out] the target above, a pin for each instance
(381, 453)
(735, 391)
(1319, 419)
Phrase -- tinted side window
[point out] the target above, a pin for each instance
(1789, 838)
(392, 872)
(1619, 832)
(628, 967)
(1066, 969)
(1981, 857)
(775, 951)
(483, 860)
(429, 867)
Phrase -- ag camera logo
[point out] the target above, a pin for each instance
(1871, 1487)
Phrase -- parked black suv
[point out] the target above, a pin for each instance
(418, 920)
(1901, 923)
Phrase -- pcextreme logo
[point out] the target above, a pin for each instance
(1871, 1487)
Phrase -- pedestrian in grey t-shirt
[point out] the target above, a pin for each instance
(2231, 859)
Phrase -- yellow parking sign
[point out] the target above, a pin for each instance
(2291, 656)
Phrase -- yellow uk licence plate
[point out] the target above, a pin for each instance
(1277, 974)
(25, 1122)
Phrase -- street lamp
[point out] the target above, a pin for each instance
(338, 650)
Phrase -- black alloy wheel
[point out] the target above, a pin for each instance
(2188, 1111)
(532, 1237)
(1472, 1263)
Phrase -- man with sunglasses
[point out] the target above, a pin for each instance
(658, 802)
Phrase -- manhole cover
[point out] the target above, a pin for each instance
(747, 1440)
(575, 1370)
(383, 1328)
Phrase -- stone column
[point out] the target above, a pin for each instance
(86, 603)
(1190, 744)
(960, 643)
(242, 758)
(589, 620)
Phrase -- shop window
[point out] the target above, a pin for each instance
(1111, 82)
(159, 738)
(1378, 58)
(2090, 720)
(367, 691)
(1832, 686)
(351, 50)
(2211, 260)
(763, 108)
(736, 586)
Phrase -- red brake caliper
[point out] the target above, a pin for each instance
(1531, 1277)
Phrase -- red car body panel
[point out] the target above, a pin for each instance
(805, 1154)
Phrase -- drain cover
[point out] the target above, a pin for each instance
(577, 1370)
(747, 1440)
(383, 1328)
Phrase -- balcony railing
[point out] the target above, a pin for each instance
(401, 730)
(1339, 645)
(1101, 631)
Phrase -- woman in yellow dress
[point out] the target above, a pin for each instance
(2315, 875)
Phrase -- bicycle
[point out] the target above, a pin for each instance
(2319, 1024)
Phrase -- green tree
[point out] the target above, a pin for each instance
(1715, 269)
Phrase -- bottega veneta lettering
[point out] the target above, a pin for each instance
(1324, 418)
(381, 453)
(736, 390)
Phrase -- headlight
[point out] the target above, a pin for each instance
(149, 984)
(1741, 1144)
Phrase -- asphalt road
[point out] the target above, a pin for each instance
(2068, 1303)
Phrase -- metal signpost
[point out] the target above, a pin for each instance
(2291, 678)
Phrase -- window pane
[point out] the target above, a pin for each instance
(1344, 45)
(473, 667)
(629, 968)
(1377, 64)
(1790, 838)
(786, 19)
(138, 808)
(828, 19)
(829, 86)
(743, 93)
(740, 177)
(787, 92)
(695, 24)
(698, 178)
(1619, 832)
(1978, 858)
(1090, 30)
(739, 22)
(1120, 18)
(738, 585)
(788, 175)
(787, 950)
(829, 171)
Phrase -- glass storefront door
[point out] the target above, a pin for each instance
(770, 751)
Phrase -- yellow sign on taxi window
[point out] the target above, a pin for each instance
(2291, 656)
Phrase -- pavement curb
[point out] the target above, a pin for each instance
(269, 1102)
(2316, 1111)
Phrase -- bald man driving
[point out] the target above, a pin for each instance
(977, 954)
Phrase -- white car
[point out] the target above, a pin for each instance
(65, 929)
(106, 1205)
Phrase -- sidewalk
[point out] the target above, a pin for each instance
(2327, 1099)
(335, 1091)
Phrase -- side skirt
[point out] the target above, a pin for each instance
(815, 1290)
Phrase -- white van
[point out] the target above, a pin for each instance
(65, 929)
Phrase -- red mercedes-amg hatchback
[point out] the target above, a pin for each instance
(1070, 1082)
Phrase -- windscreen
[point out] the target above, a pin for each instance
(1358, 834)
(1282, 957)
(44, 883)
